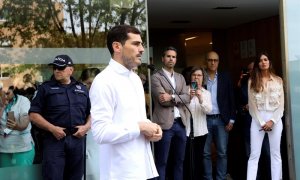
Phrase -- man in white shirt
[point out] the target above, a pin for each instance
(119, 121)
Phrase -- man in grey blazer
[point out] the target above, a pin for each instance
(170, 113)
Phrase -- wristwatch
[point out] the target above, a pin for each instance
(173, 97)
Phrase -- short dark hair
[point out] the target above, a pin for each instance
(119, 33)
(168, 49)
(89, 73)
(12, 88)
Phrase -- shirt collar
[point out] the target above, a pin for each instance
(272, 78)
(207, 75)
(73, 80)
(119, 68)
(168, 73)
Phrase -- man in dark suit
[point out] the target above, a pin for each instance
(221, 119)
(170, 113)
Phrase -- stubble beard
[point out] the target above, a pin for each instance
(130, 63)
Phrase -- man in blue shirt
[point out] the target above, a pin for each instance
(221, 119)
(61, 107)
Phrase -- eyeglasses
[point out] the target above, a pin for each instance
(213, 60)
(60, 68)
(199, 75)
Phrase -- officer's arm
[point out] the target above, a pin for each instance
(83, 129)
(37, 119)
(88, 123)
(86, 127)
(41, 122)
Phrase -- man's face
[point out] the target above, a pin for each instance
(212, 61)
(132, 51)
(62, 74)
(169, 59)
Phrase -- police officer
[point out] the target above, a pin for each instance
(61, 107)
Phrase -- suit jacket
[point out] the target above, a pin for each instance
(225, 97)
(163, 113)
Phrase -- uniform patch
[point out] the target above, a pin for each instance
(79, 90)
(78, 87)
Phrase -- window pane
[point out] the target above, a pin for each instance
(33, 32)
(293, 69)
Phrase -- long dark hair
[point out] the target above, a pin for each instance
(256, 76)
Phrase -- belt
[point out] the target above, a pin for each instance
(213, 116)
(70, 132)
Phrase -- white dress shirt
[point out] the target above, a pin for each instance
(172, 80)
(117, 105)
(199, 111)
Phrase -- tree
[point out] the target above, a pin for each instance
(66, 23)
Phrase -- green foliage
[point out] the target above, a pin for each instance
(74, 23)
(15, 69)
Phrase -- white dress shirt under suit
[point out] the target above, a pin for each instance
(172, 80)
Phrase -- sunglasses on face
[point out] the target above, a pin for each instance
(60, 68)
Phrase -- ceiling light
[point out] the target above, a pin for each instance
(190, 38)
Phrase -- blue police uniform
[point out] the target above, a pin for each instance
(65, 106)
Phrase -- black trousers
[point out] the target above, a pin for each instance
(63, 159)
(198, 145)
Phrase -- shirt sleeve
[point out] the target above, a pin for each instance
(24, 106)
(38, 101)
(206, 105)
(157, 89)
(278, 113)
(253, 107)
(104, 130)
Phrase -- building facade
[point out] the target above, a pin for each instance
(31, 38)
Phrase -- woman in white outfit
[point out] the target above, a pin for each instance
(266, 105)
(200, 105)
